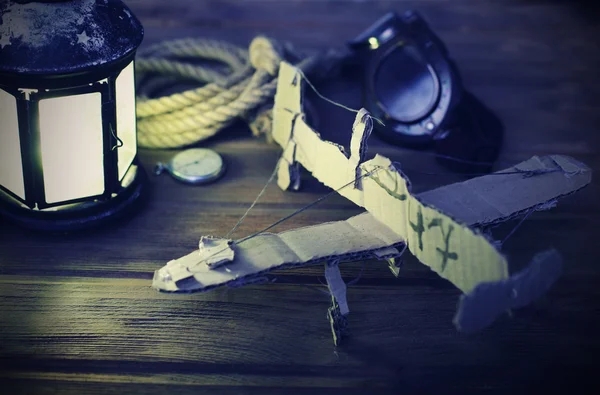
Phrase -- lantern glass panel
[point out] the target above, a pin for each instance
(126, 126)
(72, 146)
(11, 166)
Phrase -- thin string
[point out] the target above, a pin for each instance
(465, 161)
(314, 203)
(262, 192)
(312, 288)
(531, 211)
(119, 141)
(300, 210)
(527, 173)
(379, 121)
(354, 281)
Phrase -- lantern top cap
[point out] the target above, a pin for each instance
(54, 38)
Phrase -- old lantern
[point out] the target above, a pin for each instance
(67, 112)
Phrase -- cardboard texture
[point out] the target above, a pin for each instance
(214, 251)
(357, 238)
(337, 287)
(436, 226)
(489, 200)
(479, 308)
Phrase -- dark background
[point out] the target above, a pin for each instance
(77, 314)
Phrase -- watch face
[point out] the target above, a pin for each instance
(197, 166)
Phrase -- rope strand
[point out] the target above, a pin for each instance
(239, 90)
(261, 193)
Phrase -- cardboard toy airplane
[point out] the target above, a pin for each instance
(439, 227)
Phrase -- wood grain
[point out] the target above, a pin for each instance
(79, 316)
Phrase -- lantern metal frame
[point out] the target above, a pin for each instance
(29, 133)
(39, 82)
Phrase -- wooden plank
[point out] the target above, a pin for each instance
(120, 331)
(284, 15)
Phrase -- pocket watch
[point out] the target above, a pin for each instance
(194, 166)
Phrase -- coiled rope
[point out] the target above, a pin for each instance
(244, 88)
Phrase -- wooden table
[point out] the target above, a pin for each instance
(79, 315)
